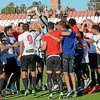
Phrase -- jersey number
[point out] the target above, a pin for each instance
(30, 39)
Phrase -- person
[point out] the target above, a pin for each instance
(84, 63)
(52, 46)
(27, 57)
(39, 56)
(53, 59)
(17, 32)
(95, 39)
(10, 56)
(68, 43)
(3, 62)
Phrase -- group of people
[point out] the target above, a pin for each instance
(64, 48)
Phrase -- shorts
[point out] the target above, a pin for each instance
(78, 57)
(28, 61)
(53, 63)
(98, 59)
(39, 62)
(83, 68)
(2, 68)
(68, 64)
(93, 60)
(11, 66)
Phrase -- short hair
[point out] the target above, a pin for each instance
(63, 23)
(7, 28)
(26, 27)
(72, 22)
(50, 25)
(20, 24)
(2, 35)
(96, 27)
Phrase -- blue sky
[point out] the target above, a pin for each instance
(77, 4)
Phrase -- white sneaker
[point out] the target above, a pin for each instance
(88, 81)
(55, 86)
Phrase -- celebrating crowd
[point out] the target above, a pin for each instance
(66, 49)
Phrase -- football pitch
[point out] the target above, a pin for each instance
(43, 95)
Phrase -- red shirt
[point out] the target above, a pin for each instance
(75, 29)
(53, 47)
(16, 34)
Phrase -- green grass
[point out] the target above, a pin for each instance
(43, 95)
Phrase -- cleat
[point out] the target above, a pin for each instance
(69, 93)
(18, 92)
(37, 87)
(50, 96)
(27, 92)
(74, 94)
(61, 95)
(34, 92)
(88, 81)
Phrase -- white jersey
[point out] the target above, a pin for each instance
(85, 58)
(92, 48)
(28, 39)
(96, 38)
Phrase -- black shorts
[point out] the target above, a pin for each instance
(78, 57)
(98, 59)
(53, 63)
(83, 68)
(28, 61)
(2, 68)
(39, 62)
(93, 60)
(11, 66)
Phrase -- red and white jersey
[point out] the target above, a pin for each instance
(28, 39)
(91, 46)
(97, 41)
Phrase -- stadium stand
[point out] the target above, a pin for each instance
(8, 19)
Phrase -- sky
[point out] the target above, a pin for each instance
(77, 4)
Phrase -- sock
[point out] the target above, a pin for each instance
(25, 82)
(49, 83)
(30, 78)
(93, 78)
(5, 83)
(98, 78)
(34, 82)
(12, 80)
(2, 81)
(38, 77)
(60, 82)
(18, 83)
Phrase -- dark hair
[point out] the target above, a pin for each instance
(20, 24)
(50, 25)
(7, 28)
(81, 33)
(2, 35)
(72, 21)
(26, 27)
(96, 27)
(63, 24)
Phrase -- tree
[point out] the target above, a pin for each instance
(9, 9)
(94, 5)
(22, 8)
(39, 6)
(69, 9)
(12, 9)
